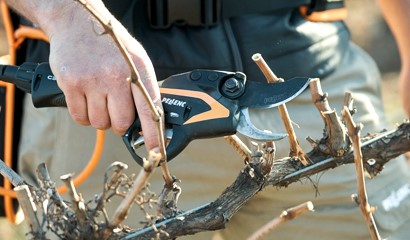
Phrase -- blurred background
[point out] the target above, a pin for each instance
(368, 30)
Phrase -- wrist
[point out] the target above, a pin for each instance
(58, 15)
(39, 10)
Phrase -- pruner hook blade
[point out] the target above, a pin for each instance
(246, 127)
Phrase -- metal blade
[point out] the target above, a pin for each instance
(141, 141)
(268, 95)
(246, 127)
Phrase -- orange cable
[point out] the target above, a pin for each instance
(7, 192)
(24, 32)
(92, 164)
(8, 149)
(95, 158)
(8, 26)
(9, 115)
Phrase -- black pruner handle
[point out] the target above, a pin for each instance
(133, 140)
(44, 89)
(130, 136)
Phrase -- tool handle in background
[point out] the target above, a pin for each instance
(37, 79)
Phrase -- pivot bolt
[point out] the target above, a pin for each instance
(233, 88)
(231, 85)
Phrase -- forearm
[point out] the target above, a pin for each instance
(396, 15)
(51, 16)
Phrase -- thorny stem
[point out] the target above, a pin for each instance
(366, 209)
(295, 148)
(135, 78)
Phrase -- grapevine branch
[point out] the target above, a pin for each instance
(361, 199)
(287, 215)
(215, 215)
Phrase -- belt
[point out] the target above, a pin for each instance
(164, 13)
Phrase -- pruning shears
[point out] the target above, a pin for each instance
(197, 104)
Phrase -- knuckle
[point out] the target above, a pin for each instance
(74, 81)
(100, 123)
(81, 119)
(120, 126)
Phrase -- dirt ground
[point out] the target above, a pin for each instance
(368, 30)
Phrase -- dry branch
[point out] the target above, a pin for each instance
(295, 148)
(287, 215)
(216, 214)
(76, 199)
(139, 183)
(362, 200)
(46, 183)
(239, 146)
(335, 142)
(29, 209)
(254, 177)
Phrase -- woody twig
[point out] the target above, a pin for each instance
(139, 183)
(30, 210)
(361, 199)
(46, 183)
(239, 146)
(295, 149)
(348, 102)
(76, 199)
(335, 142)
(287, 215)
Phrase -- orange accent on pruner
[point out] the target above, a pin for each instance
(217, 109)
(331, 15)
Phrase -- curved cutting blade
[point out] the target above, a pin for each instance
(268, 95)
(246, 127)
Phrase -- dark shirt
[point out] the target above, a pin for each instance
(291, 45)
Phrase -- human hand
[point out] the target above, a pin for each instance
(92, 73)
